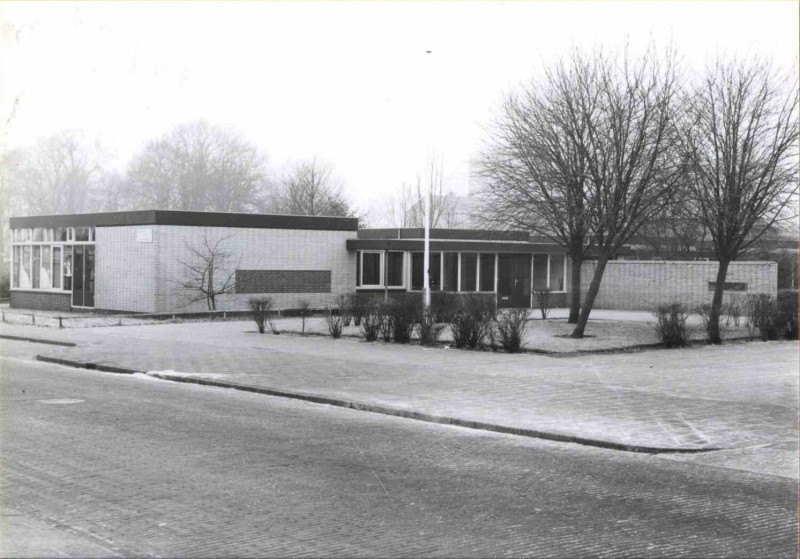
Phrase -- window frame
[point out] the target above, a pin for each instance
(385, 278)
(361, 282)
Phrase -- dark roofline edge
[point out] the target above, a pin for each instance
(188, 218)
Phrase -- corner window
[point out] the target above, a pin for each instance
(82, 234)
(370, 268)
(45, 273)
(25, 269)
(394, 269)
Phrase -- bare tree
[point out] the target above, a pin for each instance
(534, 172)
(209, 272)
(742, 139)
(311, 189)
(54, 175)
(629, 146)
(675, 233)
(407, 207)
(200, 167)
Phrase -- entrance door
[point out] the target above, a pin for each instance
(83, 276)
(514, 281)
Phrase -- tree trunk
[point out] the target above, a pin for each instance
(575, 289)
(591, 295)
(714, 335)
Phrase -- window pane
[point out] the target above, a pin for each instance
(469, 270)
(68, 268)
(394, 269)
(358, 268)
(436, 271)
(15, 276)
(417, 261)
(539, 271)
(45, 274)
(557, 272)
(38, 234)
(487, 272)
(57, 267)
(36, 264)
(91, 233)
(450, 279)
(371, 268)
(25, 271)
(81, 233)
(61, 234)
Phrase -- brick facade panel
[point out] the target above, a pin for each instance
(283, 281)
(125, 272)
(642, 285)
(40, 300)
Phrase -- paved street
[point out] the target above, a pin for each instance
(137, 466)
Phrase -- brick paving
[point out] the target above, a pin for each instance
(156, 469)
(734, 396)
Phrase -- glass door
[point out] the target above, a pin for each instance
(77, 276)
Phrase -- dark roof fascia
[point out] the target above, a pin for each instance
(197, 219)
(450, 234)
(453, 246)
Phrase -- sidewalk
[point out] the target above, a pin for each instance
(730, 397)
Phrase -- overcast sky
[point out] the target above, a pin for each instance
(347, 82)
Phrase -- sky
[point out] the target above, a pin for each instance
(350, 83)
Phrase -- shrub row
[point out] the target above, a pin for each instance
(769, 317)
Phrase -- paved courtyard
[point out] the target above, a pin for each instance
(737, 397)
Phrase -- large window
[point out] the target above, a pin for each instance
(450, 277)
(394, 269)
(549, 272)
(487, 272)
(370, 268)
(43, 257)
(417, 270)
(469, 271)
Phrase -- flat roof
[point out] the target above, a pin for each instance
(452, 245)
(188, 218)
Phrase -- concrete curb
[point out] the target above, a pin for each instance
(386, 410)
(36, 340)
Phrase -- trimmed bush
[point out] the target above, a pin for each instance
(774, 319)
(671, 324)
(471, 320)
(511, 327)
(429, 330)
(260, 309)
(359, 304)
(443, 304)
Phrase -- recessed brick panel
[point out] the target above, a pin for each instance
(41, 300)
(283, 281)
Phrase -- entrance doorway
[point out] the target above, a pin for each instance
(514, 281)
(82, 276)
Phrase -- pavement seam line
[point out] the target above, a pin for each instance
(385, 410)
(36, 340)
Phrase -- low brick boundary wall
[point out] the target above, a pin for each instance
(641, 285)
(40, 300)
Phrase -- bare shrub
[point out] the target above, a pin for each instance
(403, 313)
(471, 320)
(428, 329)
(733, 311)
(543, 302)
(304, 310)
(671, 324)
(511, 327)
(704, 312)
(260, 309)
(335, 322)
(371, 322)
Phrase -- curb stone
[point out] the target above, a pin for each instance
(36, 340)
(386, 410)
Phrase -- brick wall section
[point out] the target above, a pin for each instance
(125, 270)
(642, 285)
(39, 300)
(283, 281)
(253, 249)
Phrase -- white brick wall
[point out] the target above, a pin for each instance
(259, 249)
(125, 270)
(642, 285)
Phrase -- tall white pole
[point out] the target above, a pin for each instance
(426, 286)
(427, 257)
